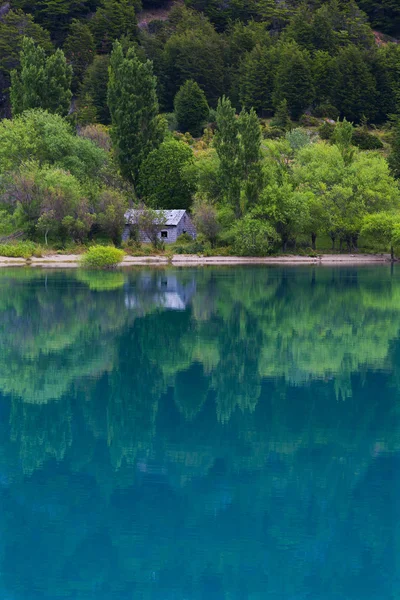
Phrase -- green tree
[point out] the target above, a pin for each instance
(282, 117)
(195, 52)
(254, 237)
(79, 49)
(256, 76)
(111, 206)
(191, 108)
(356, 93)
(132, 99)
(164, 179)
(238, 145)
(394, 156)
(343, 138)
(41, 82)
(49, 140)
(293, 81)
(94, 86)
(113, 20)
(382, 229)
(14, 27)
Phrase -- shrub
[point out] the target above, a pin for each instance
(185, 238)
(272, 133)
(309, 121)
(326, 131)
(253, 237)
(20, 250)
(102, 257)
(366, 141)
(298, 138)
(326, 111)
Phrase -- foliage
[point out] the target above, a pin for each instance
(151, 222)
(20, 249)
(382, 228)
(254, 237)
(102, 257)
(164, 179)
(205, 218)
(111, 208)
(41, 82)
(191, 108)
(79, 49)
(94, 88)
(48, 139)
(132, 99)
(113, 20)
(365, 140)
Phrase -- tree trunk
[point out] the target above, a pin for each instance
(340, 245)
(354, 242)
(333, 238)
(392, 253)
(313, 240)
(45, 236)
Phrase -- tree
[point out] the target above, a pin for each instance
(48, 139)
(256, 76)
(343, 138)
(14, 27)
(151, 222)
(394, 156)
(382, 229)
(195, 52)
(356, 93)
(293, 81)
(110, 208)
(282, 117)
(133, 104)
(113, 20)
(41, 82)
(94, 87)
(164, 180)
(254, 237)
(238, 145)
(79, 48)
(191, 108)
(205, 218)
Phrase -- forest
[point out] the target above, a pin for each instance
(276, 124)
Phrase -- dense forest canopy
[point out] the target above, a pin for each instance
(140, 102)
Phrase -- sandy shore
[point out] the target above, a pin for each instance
(62, 261)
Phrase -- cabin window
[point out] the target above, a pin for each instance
(164, 234)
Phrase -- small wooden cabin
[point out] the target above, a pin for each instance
(176, 223)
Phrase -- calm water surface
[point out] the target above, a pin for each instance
(210, 434)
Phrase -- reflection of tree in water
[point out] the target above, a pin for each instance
(146, 480)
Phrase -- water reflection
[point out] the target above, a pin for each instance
(191, 434)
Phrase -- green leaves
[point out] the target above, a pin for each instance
(41, 82)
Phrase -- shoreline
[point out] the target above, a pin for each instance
(72, 260)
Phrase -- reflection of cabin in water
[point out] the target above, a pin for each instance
(161, 290)
(175, 223)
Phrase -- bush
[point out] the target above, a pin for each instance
(272, 133)
(185, 238)
(309, 121)
(366, 141)
(196, 247)
(191, 108)
(253, 237)
(326, 111)
(102, 257)
(326, 131)
(20, 250)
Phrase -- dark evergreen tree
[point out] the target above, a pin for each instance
(94, 86)
(256, 78)
(132, 100)
(191, 108)
(293, 80)
(356, 93)
(113, 19)
(79, 49)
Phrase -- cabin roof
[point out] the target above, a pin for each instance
(172, 216)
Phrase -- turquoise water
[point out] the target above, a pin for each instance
(210, 434)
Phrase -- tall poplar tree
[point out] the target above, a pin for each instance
(133, 104)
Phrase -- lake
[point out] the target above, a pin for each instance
(200, 434)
